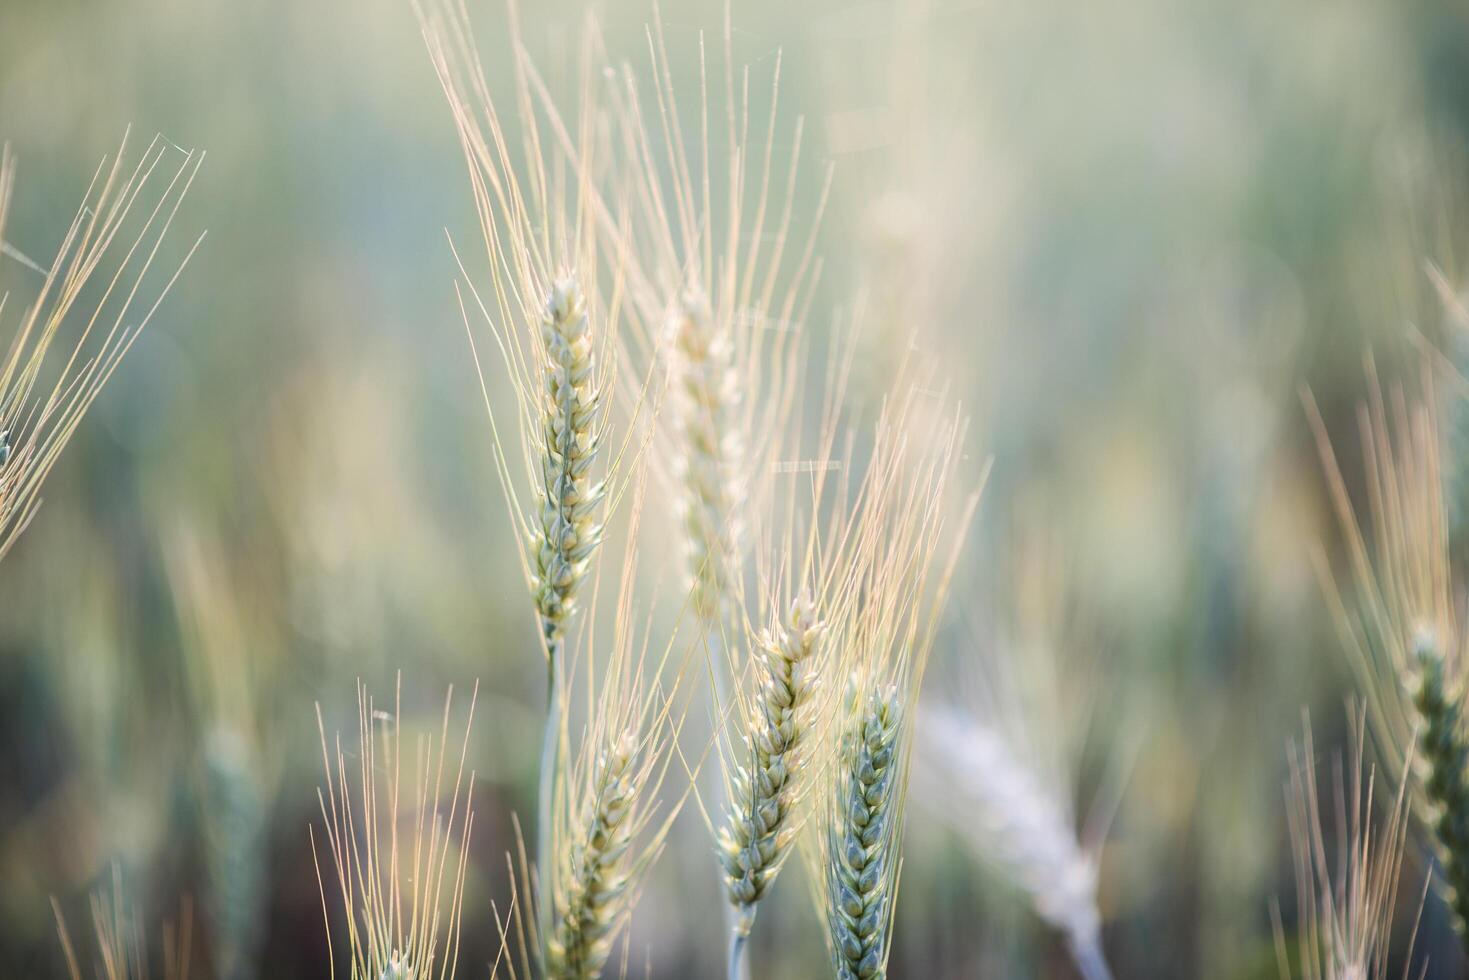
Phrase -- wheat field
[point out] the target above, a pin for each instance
(909, 488)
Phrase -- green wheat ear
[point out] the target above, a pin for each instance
(568, 528)
(1443, 756)
(755, 840)
(862, 868)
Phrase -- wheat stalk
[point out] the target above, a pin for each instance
(43, 398)
(905, 544)
(999, 770)
(1402, 631)
(982, 789)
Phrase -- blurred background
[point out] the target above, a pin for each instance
(1136, 229)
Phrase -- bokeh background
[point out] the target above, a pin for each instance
(1136, 230)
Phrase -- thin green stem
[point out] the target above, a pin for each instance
(550, 771)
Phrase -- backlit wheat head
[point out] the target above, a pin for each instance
(396, 851)
(998, 764)
(1347, 867)
(609, 821)
(1400, 623)
(907, 541)
(723, 279)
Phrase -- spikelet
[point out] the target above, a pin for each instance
(906, 544)
(1346, 901)
(402, 900)
(44, 394)
(556, 333)
(120, 950)
(1401, 629)
(998, 768)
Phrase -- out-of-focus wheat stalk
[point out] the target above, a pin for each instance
(727, 277)
(998, 768)
(554, 317)
(120, 950)
(1400, 626)
(231, 656)
(906, 543)
(54, 368)
(1346, 899)
(610, 824)
(403, 900)
(783, 698)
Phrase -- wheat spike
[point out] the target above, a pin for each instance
(1443, 754)
(862, 844)
(1345, 901)
(903, 555)
(708, 400)
(755, 839)
(569, 528)
(373, 870)
(1401, 627)
(596, 879)
(991, 797)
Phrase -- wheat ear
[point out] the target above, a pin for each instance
(706, 416)
(755, 839)
(862, 851)
(1345, 902)
(1406, 644)
(597, 880)
(569, 528)
(120, 952)
(1442, 759)
(996, 801)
